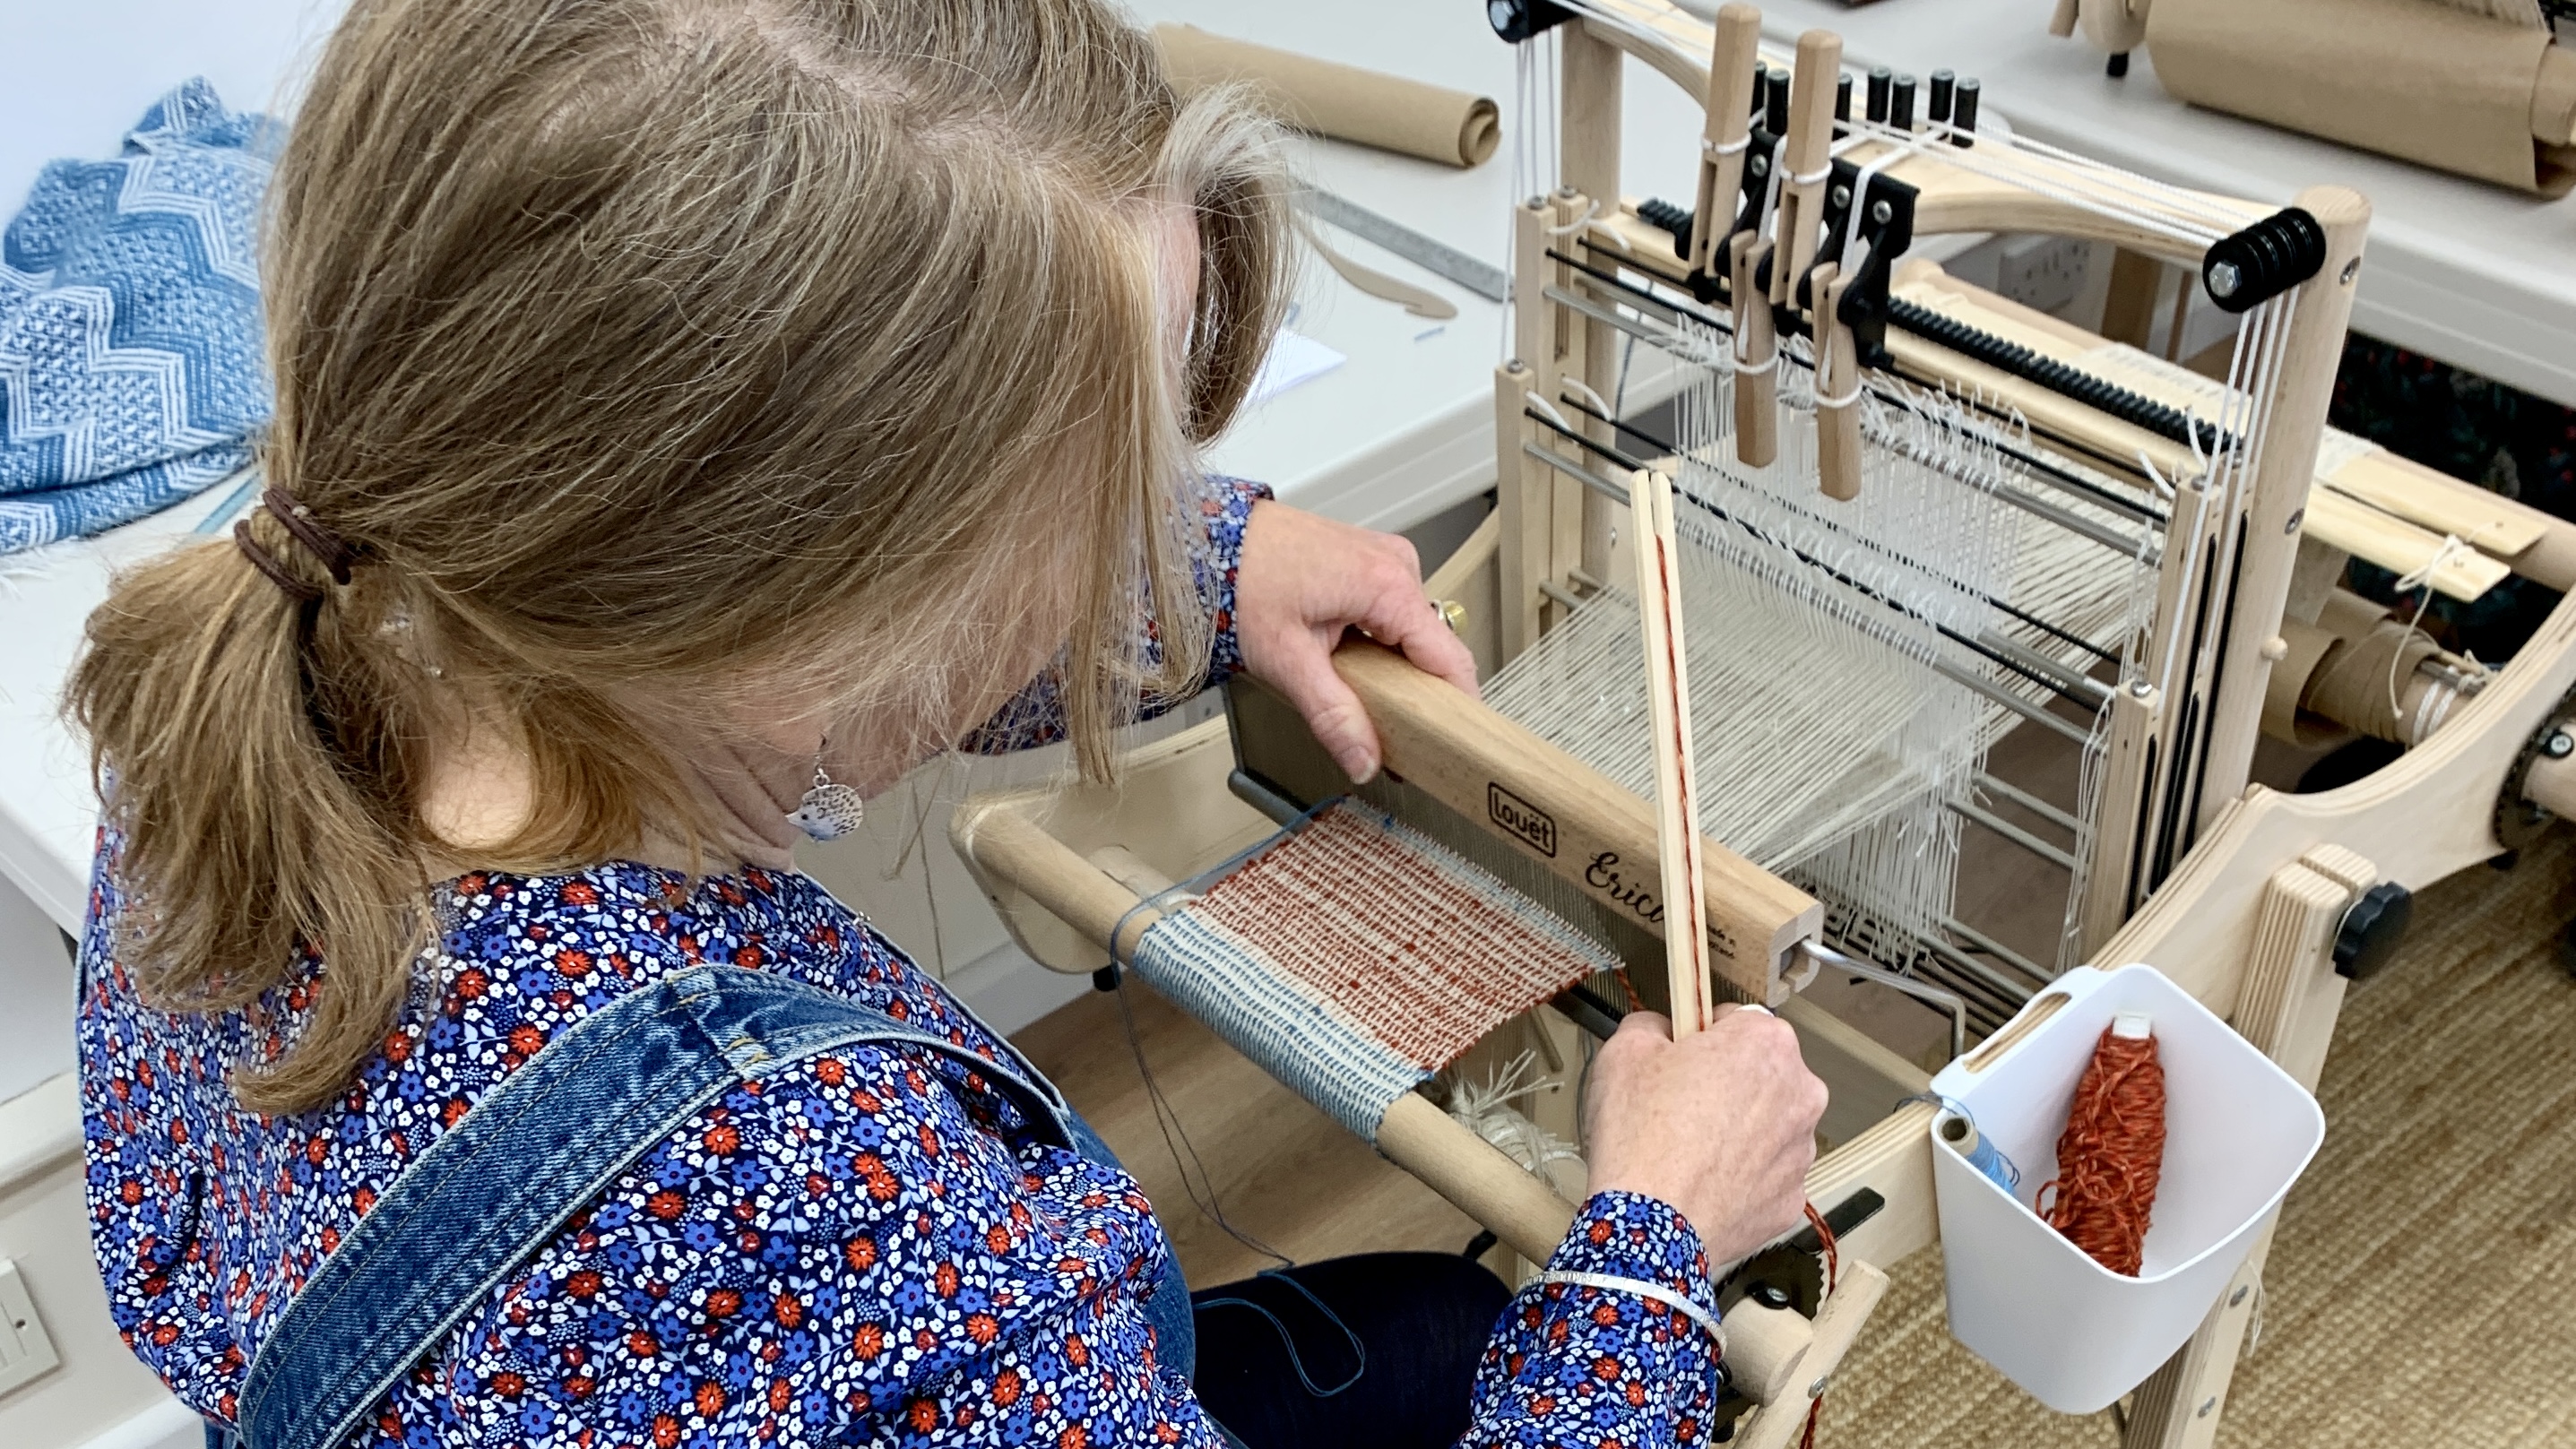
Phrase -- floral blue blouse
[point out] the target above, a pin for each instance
(864, 1248)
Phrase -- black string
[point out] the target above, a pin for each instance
(1288, 1340)
(1202, 1193)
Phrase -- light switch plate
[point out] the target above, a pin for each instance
(26, 1350)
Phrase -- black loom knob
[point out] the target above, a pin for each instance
(1842, 97)
(2372, 927)
(2250, 267)
(1775, 104)
(1880, 78)
(1936, 106)
(1900, 104)
(1518, 20)
(1963, 110)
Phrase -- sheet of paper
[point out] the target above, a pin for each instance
(1294, 359)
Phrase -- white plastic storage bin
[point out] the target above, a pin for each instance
(2238, 1132)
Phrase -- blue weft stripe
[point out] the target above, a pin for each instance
(1317, 1053)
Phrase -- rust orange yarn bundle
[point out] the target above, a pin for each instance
(2113, 1149)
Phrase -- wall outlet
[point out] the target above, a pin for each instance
(2044, 273)
(26, 1350)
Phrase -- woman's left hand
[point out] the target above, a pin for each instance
(1301, 582)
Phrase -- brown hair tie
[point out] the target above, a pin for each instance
(333, 550)
(266, 562)
(330, 549)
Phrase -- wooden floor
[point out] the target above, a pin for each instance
(1283, 1173)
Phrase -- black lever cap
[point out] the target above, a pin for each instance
(1963, 111)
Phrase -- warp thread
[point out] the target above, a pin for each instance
(2112, 1153)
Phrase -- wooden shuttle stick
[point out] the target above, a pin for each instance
(1723, 134)
(1579, 824)
(1659, 612)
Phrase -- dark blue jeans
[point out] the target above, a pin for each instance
(1382, 1355)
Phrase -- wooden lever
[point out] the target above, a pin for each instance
(1577, 822)
(1806, 158)
(1757, 350)
(1837, 389)
(1733, 56)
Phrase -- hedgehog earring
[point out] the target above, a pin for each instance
(830, 809)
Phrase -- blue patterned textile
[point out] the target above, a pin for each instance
(131, 369)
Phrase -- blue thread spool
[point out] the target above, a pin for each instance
(1960, 1131)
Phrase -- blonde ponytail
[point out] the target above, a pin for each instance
(664, 355)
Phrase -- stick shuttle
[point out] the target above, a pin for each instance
(1659, 608)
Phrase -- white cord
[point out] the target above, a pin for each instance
(1679, 1302)
(2452, 546)
(1591, 209)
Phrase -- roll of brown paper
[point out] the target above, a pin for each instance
(2427, 83)
(1340, 101)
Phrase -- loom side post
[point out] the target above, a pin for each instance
(1592, 78)
(1547, 530)
(1524, 492)
(1582, 521)
(2282, 478)
(2128, 795)
(2286, 1008)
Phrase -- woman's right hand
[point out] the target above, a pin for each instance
(1721, 1125)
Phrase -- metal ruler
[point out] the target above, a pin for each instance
(1483, 279)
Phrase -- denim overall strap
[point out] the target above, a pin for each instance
(503, 1181)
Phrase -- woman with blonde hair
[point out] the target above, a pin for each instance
(691, 414)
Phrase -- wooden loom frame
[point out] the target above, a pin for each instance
(2246, 921)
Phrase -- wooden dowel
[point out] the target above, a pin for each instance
(1659, 614)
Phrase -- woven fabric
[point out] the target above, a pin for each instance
(131, 369)
(1355, 957)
